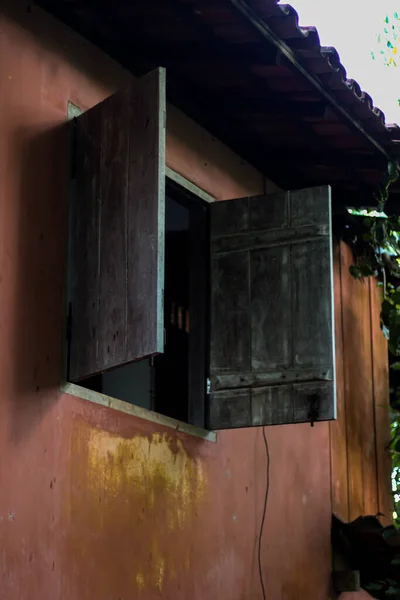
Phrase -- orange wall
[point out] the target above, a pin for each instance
(95, 503)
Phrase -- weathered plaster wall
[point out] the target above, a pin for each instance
(95, 503)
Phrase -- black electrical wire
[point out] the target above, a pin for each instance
(263, 515)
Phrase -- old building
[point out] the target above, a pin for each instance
(150, 482)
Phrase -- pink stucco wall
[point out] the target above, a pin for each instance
(95, 503)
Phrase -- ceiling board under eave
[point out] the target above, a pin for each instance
(212, 77)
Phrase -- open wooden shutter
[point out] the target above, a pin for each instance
(117, 266)
(272, 335)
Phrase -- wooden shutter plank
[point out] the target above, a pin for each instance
(270, 284)
(225, 221)
(309, 207)
(325, 392)
(231, 409)
(265, 238)
(311, 287)
(112, 315)
(273, 405)
(269, 214)
(258, 378)
(272, 348)
(118, 259)
(231, 299)
(85, 227)
(146, 220)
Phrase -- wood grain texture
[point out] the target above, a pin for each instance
(272, 310)
(118, 266)
(272, 404)
(269, 212)
(381, 402)
(113, 182)
(311, 292)
(266, 239)
(84, 271)
(370, 469)
(259, 378)
(309, 207)
(338, 434)
(146, 217)
(231, 409)
(361, 467)
(230, 347)
(270, 286)
(357, 380)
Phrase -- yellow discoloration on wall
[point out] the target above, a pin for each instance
(151, 481)
(140, 580)
(160, 568)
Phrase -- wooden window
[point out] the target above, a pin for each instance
(173, 383)
(180, 373)
(118, 230)
(134, 241)
(272, 346)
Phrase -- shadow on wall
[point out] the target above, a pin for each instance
(39, 164)
(65, 46)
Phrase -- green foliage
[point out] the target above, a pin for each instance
(394, 449)
(388, 41)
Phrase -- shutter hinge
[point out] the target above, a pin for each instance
(313, 408)
(208, 387)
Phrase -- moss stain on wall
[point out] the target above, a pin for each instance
(134, 495)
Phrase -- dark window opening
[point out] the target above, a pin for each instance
(174, 383)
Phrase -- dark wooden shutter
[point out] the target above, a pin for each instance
(272, 345)
(117, 225)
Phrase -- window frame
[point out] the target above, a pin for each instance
(199, 338)
(174, 181)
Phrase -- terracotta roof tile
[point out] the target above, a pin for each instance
(284, 21)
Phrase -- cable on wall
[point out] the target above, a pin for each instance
(263, 515)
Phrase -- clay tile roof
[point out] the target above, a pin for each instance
(284, 20)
